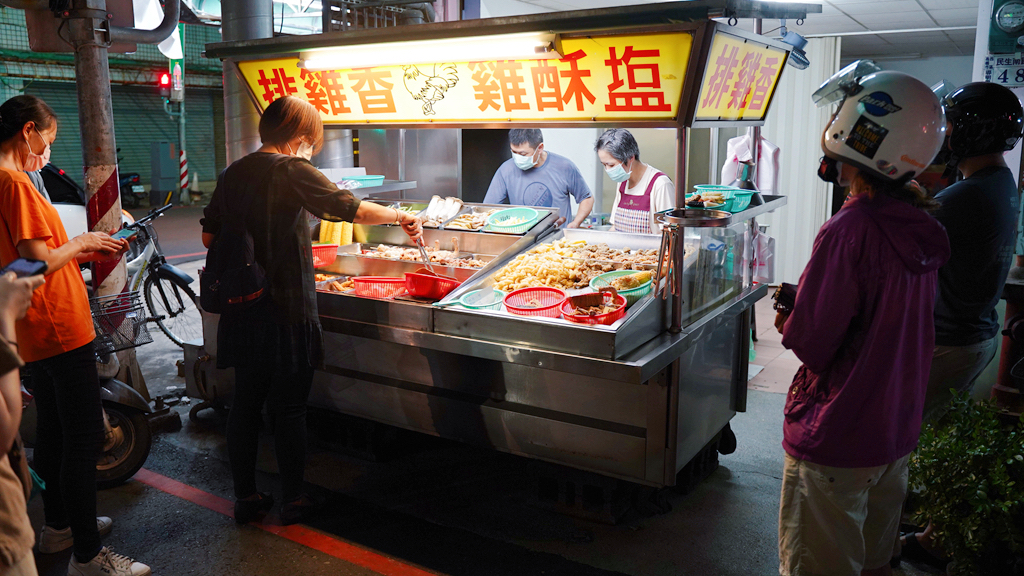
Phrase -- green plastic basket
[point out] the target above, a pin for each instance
(739, 201)
(494, 221)
(480, 296)
(367, 181)
(632, 295)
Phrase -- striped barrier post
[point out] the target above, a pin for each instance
(183, 175)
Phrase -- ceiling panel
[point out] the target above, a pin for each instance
(948, 4)
(896, 21)
(880, 8)
(955, 16)
(917, 38)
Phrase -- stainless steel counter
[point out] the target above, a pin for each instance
(634, 403)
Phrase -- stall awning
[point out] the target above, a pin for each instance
(662, 65)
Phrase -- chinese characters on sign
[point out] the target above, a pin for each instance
(739, 80)
(598, 78)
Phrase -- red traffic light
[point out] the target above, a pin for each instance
(165, 85)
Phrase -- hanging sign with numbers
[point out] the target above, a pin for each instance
(1005, 70)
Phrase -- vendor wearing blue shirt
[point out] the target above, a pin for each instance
(536, 177)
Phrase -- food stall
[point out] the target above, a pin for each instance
(633, 397)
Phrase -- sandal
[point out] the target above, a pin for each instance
(912, 550)
(247, 510)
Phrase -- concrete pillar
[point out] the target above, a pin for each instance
(242, 20)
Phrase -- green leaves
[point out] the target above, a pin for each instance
(967, 469)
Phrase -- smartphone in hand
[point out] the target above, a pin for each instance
(23, 267)
(125, 234)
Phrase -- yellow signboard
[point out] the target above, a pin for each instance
(739, 80)
(601, 78)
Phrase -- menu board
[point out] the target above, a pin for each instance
(599, 78)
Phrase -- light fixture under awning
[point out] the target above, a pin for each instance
(525, 46)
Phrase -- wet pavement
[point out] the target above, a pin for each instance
(434, 507)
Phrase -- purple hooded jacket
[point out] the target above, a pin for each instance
(862, 326)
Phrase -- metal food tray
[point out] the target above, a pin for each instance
(545, 214)
(403, 313)
(358, 248)
(474, 208)
(644, 320)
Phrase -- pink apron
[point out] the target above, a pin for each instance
(633, 214)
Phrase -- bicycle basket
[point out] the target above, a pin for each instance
(120, 322)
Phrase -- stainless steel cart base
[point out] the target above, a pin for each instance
(639, 419)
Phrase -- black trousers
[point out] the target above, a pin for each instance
(69, 438)
(285, 392)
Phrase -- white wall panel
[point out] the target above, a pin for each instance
(795, 125)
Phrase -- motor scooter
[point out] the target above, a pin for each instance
(130, 185)
(127, 436)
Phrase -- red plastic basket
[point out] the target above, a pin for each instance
(379, 286)
(540, 301)
(324, 254)
(428, 286)
(607, 318)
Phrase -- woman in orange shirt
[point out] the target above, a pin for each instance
(55, 340)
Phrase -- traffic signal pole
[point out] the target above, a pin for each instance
(86, 23)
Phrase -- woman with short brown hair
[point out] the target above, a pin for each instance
(275, 344)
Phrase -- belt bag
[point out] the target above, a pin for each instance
(233, 280)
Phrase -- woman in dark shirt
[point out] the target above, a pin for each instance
(276, 344)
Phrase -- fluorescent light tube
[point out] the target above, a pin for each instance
(527, 46)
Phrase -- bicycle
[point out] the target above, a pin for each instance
(165, 288)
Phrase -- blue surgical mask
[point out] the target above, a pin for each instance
(524, 162)
(617, 173)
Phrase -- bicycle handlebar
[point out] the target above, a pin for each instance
(153, 215)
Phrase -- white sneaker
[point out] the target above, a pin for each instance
(52, 541)
(106, 563)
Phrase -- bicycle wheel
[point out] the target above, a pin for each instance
(175, 302)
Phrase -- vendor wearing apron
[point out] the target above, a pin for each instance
(643, 190)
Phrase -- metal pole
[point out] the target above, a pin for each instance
(96, 117)
(678, 255)
(755, 132)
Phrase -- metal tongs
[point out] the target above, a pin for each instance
(669, 244)
(426, 258)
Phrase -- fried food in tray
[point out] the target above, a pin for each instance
(571, 264)
(470, 220)
(435, 253)
(631, 281)
(594, 310)
(333, 283)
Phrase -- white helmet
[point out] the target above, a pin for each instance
(888, 123)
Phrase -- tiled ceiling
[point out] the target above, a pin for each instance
(948, 27)
(859, 16)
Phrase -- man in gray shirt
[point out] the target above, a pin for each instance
(536, 177)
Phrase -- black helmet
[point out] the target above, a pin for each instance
(984, 117)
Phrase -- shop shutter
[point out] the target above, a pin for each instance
(140, 120)
(66, 151)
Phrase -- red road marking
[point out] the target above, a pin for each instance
(296, 533)
(176, 256)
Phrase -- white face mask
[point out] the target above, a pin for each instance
(304, 151)
(33, 161)
(525, 162)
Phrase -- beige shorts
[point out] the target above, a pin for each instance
(839, 521)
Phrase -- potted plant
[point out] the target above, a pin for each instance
(969, 472)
